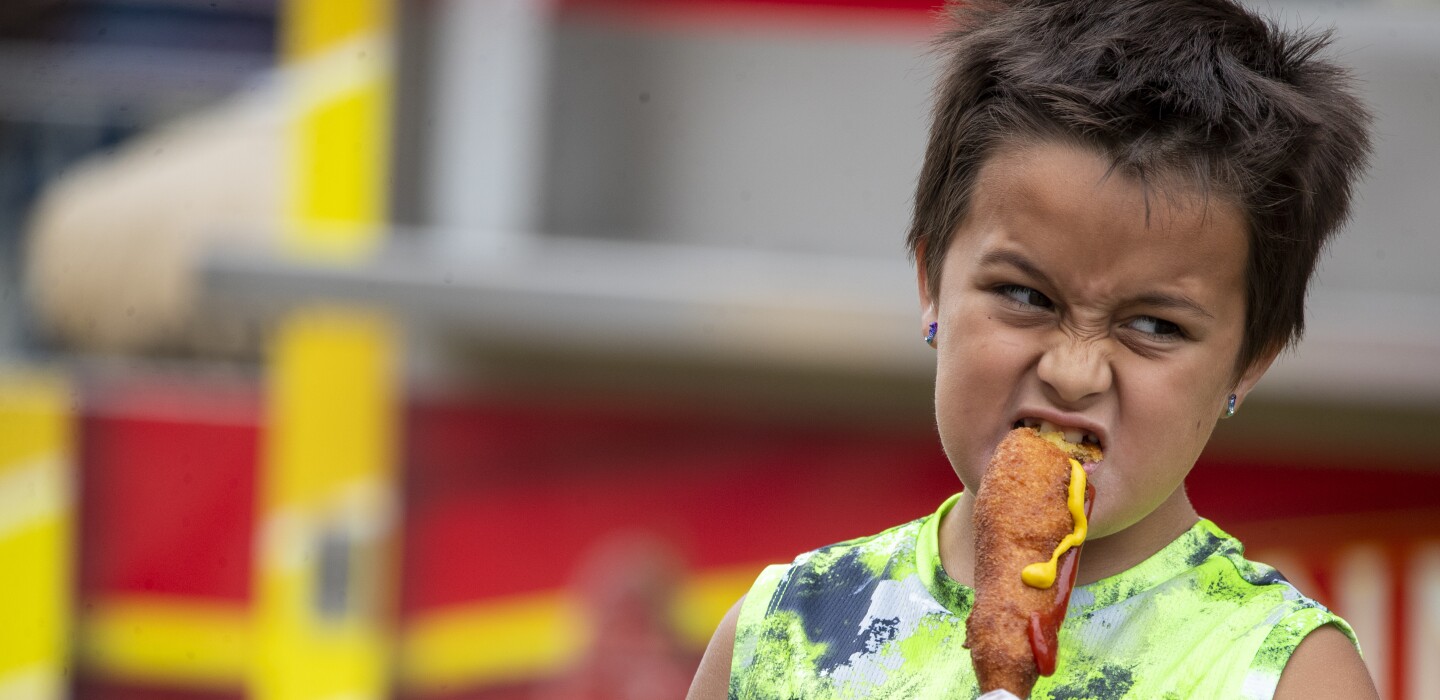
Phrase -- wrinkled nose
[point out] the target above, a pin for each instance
(1074, 370)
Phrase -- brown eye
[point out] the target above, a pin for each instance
(1157, 327)
(1025, 296)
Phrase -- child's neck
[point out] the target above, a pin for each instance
(1102, 558)
(1122, 550)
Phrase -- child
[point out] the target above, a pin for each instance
(1121, 205)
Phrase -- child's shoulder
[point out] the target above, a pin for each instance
(1226, 574)
(856, 564)
(1206, 566)
(891, 540)
(1261, 592)
(1197, 599)
(847, 562)
(823, 617)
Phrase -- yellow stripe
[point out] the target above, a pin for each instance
(324, 588)
(34, 417)
(167, 641)
(331, 404)
(36, 525)
(496, 641)
(313, 26)
(525, 637)
(328, 528)
(339, 199)
(338, 154)
(174, 642)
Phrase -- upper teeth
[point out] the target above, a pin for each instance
(1072, 435)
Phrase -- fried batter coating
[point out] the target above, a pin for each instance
(1020, 516)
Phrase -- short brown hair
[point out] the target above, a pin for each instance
(1199, 89)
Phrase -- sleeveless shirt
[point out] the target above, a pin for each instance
(878, 617)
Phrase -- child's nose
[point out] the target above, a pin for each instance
(1074, 370)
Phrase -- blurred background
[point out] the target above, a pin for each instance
(443, 349)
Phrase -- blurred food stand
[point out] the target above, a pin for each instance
(460, 349)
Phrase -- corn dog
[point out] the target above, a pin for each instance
(1029, 523)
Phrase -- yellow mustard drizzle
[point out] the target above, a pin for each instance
(1042, 574)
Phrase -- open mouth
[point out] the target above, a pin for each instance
(1077, 443)
(1074, 436)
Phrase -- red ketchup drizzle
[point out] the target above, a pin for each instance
(1045, 625)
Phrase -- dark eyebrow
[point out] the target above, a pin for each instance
(1172, 301)
(1157, 300)
(1017, 261)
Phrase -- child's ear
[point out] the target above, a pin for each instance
(928, 313)
(1253, 373)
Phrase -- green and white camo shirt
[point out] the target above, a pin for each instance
(877, 617)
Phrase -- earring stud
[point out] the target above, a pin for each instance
(1229, 406)
(930, 336)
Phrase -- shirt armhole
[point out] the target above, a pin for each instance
(1275, 652)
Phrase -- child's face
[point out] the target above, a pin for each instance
(1058, 302)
